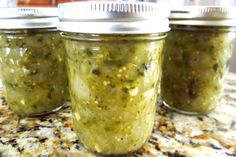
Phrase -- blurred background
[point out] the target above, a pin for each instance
(172, 3)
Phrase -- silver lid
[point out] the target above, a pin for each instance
(117, 17)
(204, 16)
(28, 18)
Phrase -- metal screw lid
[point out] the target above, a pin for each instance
(28, 18)
(204, 16)
(116, 17)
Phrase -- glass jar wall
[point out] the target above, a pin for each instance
(32, 62)
(114, 71)
(196, 58)
(194, 67)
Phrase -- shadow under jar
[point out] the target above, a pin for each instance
(196, 58)
(114, 73)
(32, 61)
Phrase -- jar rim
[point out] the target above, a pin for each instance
(28, 17)
(113, 17)
(203, 16)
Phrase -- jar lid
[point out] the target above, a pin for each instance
(28, 18)
(116, 17)
(204, 16)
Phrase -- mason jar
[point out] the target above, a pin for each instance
(32, 60)
(196, 58)
(114, 57)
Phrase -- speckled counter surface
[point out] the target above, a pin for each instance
(174, 135)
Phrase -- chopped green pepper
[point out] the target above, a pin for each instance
(33, 70)
(113, 105)
(195, 63)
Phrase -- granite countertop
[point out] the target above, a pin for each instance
(174, 135)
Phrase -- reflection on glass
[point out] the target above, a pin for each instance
(8, 3)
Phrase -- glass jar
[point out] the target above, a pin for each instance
(114, 71)
(32, 61)
(196, 58)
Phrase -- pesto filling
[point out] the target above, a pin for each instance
(33, 72)
(195, 63)
(113, 84)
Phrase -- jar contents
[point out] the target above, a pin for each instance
(114, 71)
(32, 64)
(114, 81)
(195, 62)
